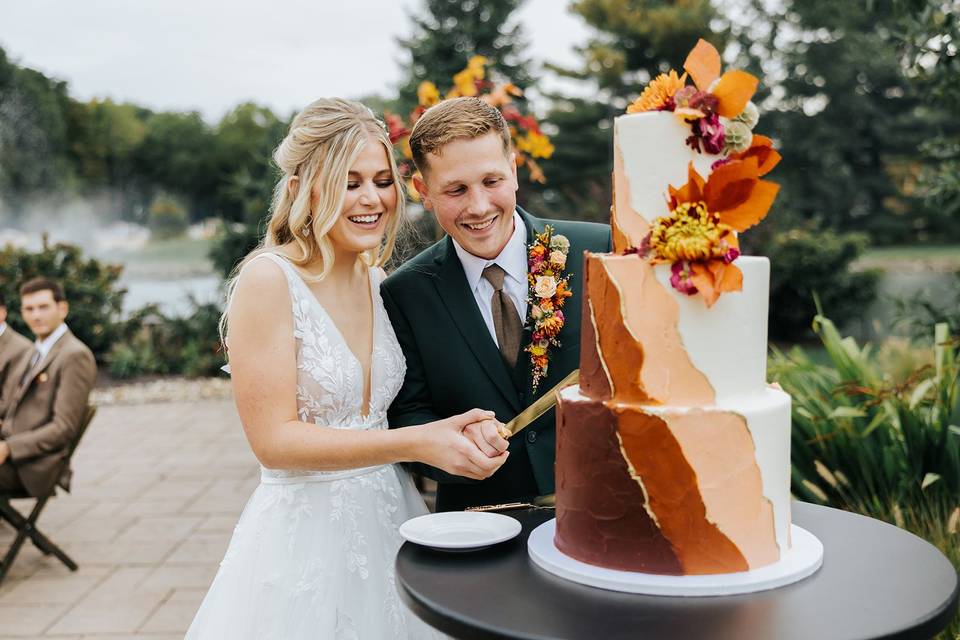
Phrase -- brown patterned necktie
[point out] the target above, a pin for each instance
(506, 318)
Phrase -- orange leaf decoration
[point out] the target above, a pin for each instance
(734, 91)
(715, 277)
(754, 209)
(703, 64)
(702, 279)
(762, 149)
(730, 185)
(692, 191)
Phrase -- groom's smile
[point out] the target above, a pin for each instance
(470, 185)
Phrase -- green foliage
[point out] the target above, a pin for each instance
(33, 132)
(840, 101)
(167, 219)
(231, 245)
(446, 33)
(865, 441)
(806, 263)
(92, 290)
(158, 344)
(881, 445)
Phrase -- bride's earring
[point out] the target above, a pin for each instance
(305, 231)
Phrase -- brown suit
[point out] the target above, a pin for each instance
(41, 417)
(13, 346)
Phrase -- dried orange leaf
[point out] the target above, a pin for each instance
(761, 148)
(730, 184)
(703, 64)
(754, 209)
(734, 91)
(703, 280)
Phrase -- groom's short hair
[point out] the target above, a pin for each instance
(451, 120)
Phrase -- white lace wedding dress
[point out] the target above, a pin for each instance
(313, 553)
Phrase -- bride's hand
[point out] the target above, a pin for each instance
(488, 435)
(445, 446)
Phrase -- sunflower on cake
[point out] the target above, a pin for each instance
(673, 452)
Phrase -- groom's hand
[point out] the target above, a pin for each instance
(487, 435)
(444, 445)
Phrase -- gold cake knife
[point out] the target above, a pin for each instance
(543, 404)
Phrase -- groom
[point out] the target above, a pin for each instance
(460, 308)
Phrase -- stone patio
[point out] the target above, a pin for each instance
(157, 491)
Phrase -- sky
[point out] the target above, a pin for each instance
(210, 55)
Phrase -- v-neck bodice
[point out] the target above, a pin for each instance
(330, 382)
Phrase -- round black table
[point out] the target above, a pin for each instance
(877, 581)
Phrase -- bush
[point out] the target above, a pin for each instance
(878, 444)
(155, 344)
(231, 246)
(804, 263)
(167, 219)
(91, 287)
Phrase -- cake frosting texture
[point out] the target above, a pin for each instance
(673, 454)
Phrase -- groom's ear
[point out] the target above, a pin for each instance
(421, 188)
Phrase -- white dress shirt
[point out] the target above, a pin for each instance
(3, 327)
(44, 346)
(513, 260)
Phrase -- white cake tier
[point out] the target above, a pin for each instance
(728, 341)
(654, 155)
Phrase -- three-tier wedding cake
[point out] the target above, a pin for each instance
(673, 452)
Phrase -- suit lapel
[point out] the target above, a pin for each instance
(37, 370)
(452, 287)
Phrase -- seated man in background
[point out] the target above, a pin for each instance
(45, 395)
(13, 346)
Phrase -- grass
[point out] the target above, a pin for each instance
(940, 258)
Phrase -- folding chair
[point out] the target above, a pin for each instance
(26, 527)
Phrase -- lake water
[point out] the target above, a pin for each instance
(172, 294)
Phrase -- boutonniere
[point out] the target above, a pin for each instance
(549, 290)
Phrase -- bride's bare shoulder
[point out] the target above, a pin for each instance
(261, 286)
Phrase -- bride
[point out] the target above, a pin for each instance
(315, 365)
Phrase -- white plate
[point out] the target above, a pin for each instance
(459, 530)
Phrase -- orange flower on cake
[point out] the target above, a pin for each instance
(699, 237)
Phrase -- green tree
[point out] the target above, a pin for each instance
(104, 139)
(841, 104)
(447, 33)
(176, 156)
(926, 34)
(33, 133)
(633, 41)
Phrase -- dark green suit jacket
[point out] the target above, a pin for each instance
(453, 364)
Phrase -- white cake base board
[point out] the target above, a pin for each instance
(801, 561)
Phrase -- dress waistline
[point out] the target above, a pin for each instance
(320, 476)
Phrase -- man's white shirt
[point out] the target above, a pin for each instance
(44, 346)
(3, 327)
(513, 260)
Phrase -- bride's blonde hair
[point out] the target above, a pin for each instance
(322, 144)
